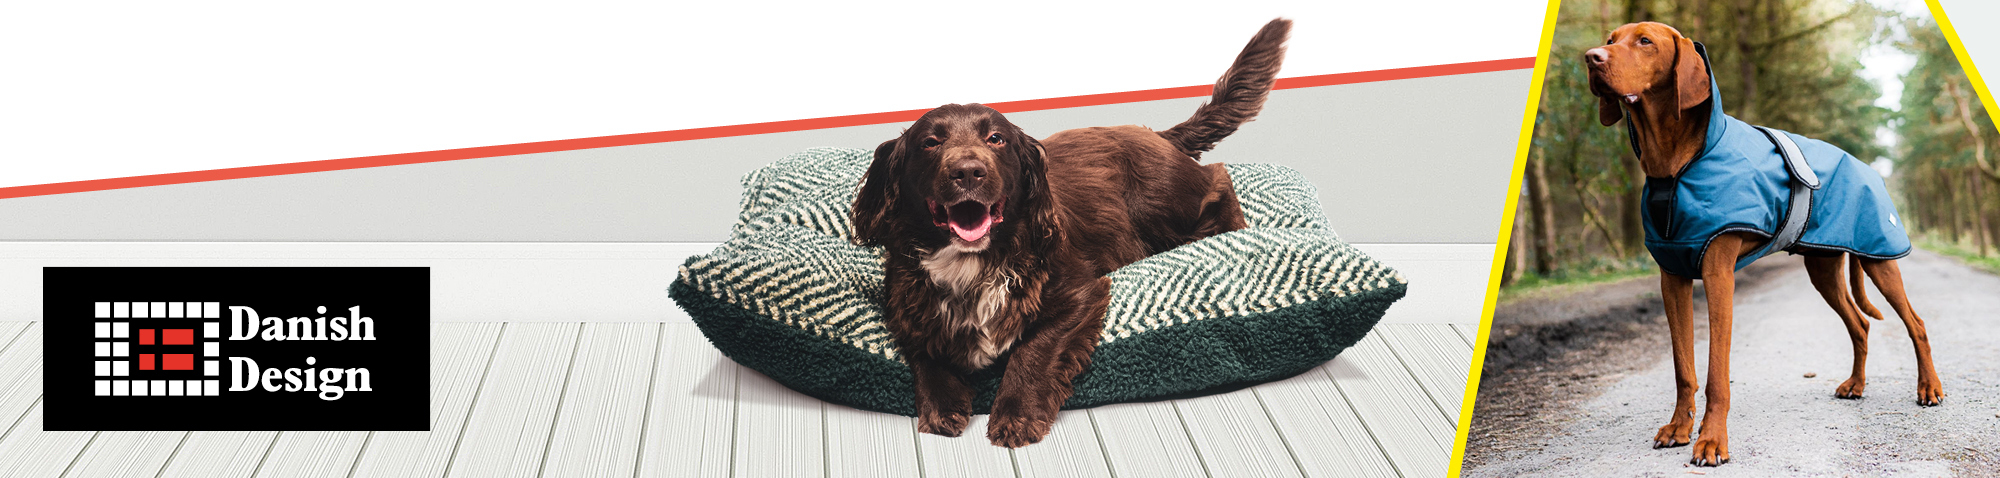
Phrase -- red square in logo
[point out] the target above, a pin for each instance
(177, 336)
(177, 361)
(145, 336)
(146, 361)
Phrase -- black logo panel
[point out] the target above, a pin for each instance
(236, 348)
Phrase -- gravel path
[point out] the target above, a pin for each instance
(1591, 407)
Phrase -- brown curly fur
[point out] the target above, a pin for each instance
(1070, 209)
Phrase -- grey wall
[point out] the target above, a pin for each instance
(1408, 161)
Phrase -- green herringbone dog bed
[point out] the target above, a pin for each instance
(789, 296)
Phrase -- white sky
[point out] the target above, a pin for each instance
(1885, 65)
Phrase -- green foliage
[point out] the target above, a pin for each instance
(1932, 135)
(1942, 193)
(1595, 270)
(1967, 253)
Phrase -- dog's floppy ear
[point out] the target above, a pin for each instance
(1607, 111)
(875, 201)
(1037, 203)
(1690, 74)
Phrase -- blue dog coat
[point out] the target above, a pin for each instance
(1740, 182)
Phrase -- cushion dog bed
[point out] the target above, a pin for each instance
(788, 295)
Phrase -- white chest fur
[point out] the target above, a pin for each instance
(974, 292)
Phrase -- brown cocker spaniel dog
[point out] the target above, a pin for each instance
(996, 243)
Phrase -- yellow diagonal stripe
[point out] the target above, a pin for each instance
(1964, 62)
(1507, 228)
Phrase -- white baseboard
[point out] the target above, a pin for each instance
(1447, 281)
(602, 282)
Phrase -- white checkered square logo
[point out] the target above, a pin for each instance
(128, 342)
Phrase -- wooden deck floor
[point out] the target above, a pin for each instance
(655, 399)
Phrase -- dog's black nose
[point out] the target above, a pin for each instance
(1595, 55)
(968, 174)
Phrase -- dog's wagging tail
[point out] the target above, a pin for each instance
(1238, 95)
(996, 243)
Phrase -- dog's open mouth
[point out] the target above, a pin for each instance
(969, 220)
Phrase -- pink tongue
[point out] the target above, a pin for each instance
(977, 232)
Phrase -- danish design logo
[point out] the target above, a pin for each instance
(153, 352)
(242, 348)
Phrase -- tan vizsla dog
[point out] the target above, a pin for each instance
(1657, 79)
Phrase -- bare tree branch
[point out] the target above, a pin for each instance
(1782, 39)
(1579, 184)
(1964, 107)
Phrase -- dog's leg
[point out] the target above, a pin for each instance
(1038, 376)
(1678, 294)
(1826, 276)
(944, 402)
(1718, 277)
(1889, 279)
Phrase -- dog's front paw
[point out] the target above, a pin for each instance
(942, 423)
(1712, 449)
(1929, 392)
(1851, 389)
(1016, 431)
(1674, 434)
